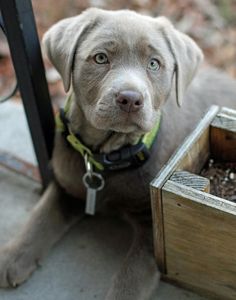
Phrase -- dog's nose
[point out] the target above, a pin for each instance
(129, 101)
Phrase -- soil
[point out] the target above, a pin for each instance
(222, 178)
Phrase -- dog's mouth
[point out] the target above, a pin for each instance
(123, 122)
(129, 122)
(108, 114)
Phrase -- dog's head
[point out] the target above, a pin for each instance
(121, 65)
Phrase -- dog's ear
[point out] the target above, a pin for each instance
(187, 56)
(61, 40)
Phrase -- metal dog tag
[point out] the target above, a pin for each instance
(93, 182)
(90, 201)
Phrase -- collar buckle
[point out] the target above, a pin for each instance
(127, 156)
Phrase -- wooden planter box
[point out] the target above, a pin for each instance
(194, 231)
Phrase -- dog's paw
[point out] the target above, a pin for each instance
(16, 265)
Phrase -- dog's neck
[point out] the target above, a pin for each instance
(104, 141)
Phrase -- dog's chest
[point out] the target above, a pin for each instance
(128, 188)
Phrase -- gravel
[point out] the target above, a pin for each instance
(222, 178)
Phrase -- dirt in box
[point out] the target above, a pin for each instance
(222, 178)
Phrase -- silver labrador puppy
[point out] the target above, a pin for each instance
(122, 69)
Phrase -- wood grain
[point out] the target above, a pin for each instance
(200, 240)
(158, 229)
(191, 180)
(223, 136)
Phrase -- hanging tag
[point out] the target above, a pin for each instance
(93, 182)
(90, 207)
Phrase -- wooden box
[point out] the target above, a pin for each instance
(194, 231)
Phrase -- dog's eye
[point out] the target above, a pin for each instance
(154, 65)
(101, 58)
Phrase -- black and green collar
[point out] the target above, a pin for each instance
(126, 157)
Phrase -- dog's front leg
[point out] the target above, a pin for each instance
(138, 276)
(48, 221)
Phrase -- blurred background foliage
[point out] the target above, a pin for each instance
(212, 23)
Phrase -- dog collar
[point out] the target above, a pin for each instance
(126, 157)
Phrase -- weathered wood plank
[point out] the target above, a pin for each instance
(225, 119)
(196, 156)
(201, 134)
(181, 177)
(200, 240)
(223, 136)
(201, 197)
(223, 144)
(158, 229)
(228, 111)
(191, 180)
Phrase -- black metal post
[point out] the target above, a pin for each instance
(25, 50)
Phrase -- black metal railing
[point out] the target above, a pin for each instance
(15, 88)
(20, 29)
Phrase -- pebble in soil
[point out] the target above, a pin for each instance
(222, 178)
